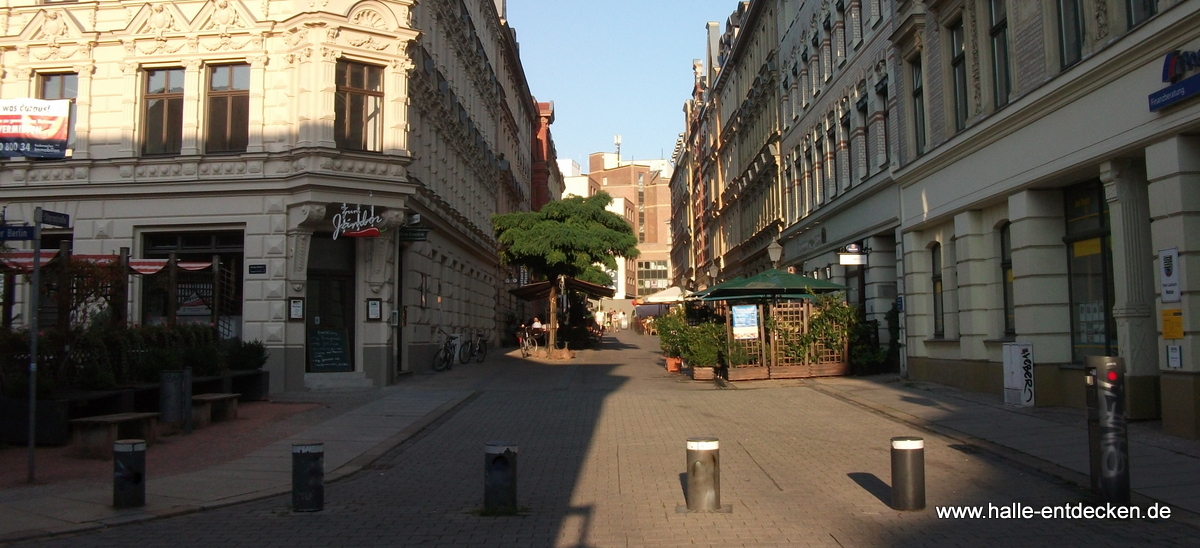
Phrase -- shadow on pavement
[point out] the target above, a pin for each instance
(873, 485)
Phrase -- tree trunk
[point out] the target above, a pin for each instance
(552, 321)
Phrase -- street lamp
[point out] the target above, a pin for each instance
(713, 270)
(775, 251)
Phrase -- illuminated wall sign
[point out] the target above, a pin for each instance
(356, 221)
(1176, 65)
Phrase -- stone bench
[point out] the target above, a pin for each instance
(213, 407)
(95, 436)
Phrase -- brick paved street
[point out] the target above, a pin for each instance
(601, 461)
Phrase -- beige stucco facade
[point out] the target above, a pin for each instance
(449, 142)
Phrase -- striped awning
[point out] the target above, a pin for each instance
(22, 262)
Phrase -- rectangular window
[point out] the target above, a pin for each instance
(163, 112)
(867, 145)
(881, 92)
(1001, 77)
(228, 108)
(958, 66)
(939, 311)
(918, 102)
(851, 159)
(1070, 31)
(1141, 10)
(358, 117)
(831, 158)
(1089, 265)
(62, 86)
(1006, 280)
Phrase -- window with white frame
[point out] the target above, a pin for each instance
(939, 309)
(1070, 31)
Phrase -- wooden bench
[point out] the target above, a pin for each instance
(95, 436)
(213, 407)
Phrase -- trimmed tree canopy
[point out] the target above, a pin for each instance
(567, 237)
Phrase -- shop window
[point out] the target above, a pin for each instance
(1006, 280)
(939, 310)
(1089, 266)
(163, 112)
(358, 105)
(228, 108)
(197, 292)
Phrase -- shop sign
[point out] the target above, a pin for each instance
(1175, 66)
(34, 128)
(412, 234)
(1169, 274)
(356, 221)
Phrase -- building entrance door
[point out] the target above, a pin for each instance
(331, 313)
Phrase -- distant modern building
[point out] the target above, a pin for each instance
(269, 134)
(644, 185)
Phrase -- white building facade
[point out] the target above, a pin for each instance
(261, 132)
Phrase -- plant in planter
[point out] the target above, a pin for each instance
(673, 332)
(704, 348)
(245, 355)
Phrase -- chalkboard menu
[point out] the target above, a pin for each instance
(328, 351)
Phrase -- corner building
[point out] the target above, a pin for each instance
(1041, 188)
(258, 131)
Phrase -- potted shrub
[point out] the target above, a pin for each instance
(704, 348)
(245, 360)
(672, 336)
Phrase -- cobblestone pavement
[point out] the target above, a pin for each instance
(602, 461)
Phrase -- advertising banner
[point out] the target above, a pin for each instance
(34, 128)
(745, 321)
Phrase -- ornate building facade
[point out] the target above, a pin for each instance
(269, 133)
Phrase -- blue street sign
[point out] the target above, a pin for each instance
(16, 233)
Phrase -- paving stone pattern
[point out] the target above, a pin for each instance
(601, 463)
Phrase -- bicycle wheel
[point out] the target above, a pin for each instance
(481, 352)
(439, 360)
(525, 350)
(464, 352)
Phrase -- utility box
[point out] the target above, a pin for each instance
(1018, 374)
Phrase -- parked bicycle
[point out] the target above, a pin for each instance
(476, 348)
(444, 358)
(527, 341)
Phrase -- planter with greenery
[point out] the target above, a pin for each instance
(743, 363)
(673, 332)
(704, 348)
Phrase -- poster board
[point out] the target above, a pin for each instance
(328, 351)
(745, 321)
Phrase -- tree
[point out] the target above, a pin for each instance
(569, 237)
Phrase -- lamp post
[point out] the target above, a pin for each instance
(775, 251)
(713, 271)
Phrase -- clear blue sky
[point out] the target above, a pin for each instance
(614, 67)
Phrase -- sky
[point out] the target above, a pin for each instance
(614, 67)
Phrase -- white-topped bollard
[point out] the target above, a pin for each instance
(308, 477)
(500, 478)
(908, 473)
(129, 473)
(703, 474)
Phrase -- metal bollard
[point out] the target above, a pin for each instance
(703, 474)
(500, 478)
(308, 477)
(129, 473)
(170, 398)
(908, 473)
(1108, 436)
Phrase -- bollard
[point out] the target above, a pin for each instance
(908, 473)
(703, 474)
(170, 402)
(185, 400)
(500, 478)
(308, 477)
(1108, 436)
(129, 473)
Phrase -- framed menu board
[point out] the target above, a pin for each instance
(328, 351)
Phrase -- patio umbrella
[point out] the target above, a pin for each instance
(772, 283)
(705, 292)
(666, 296)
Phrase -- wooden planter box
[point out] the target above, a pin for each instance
(253, 385)
(791, 371)
(703, 373)
(748, 373)
(834, 369)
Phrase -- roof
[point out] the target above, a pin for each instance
(541, 290)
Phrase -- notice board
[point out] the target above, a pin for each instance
(328, 351)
